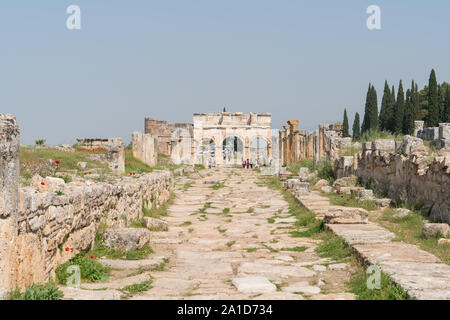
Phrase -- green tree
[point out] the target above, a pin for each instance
(408, 115)
(399, 110)
(345, 132)
(447, 105)
(356, 128)
(370, 121)
(433, 102)
(386, 110)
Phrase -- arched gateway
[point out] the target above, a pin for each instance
(236, 137)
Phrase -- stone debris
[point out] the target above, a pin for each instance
(321, 183)
(443, 241)
(154, 224)
(401, 213)
(382, 203)
(126, 238)
(302, 287)
(343, 215)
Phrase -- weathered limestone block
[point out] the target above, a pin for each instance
(362, 194)
(303, 173)
(345, 182)
(126, 238)
(116, 155)
(382, 203)
(9, 196)
(346, 215)
(326, 189)
(321, 183)
(383, 145)
(418, 126)
(444, 131)
(343, 166)
(411, 144)
(154, 224)
(297, 186)
(401, 213)
(433, 229)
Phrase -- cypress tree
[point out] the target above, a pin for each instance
(390, 116)
(399, 110)
(370, 121)
(374, 111)
(345, 132)
(408, 117)
(356, 128)
(416, 103)
(433, 103)
(365, 123)
(447, 105)
(385, 112)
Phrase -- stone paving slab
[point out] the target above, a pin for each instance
(419, 273)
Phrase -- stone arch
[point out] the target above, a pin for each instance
(232, 149)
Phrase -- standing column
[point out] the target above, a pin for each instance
(116, 155)
(9, 193)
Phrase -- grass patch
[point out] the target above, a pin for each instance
(101, 251)
(186, 223)
(154, 211)
(333, 246)
(270, 220)
(296, 249)
(161, 266)
(38, 292)
(90, 269)
(388, 290)
(409, 229)
(251, 249)
(349, 201)
(217, 186)
(134, 165)
(226, 210)
(250, 210)
(230, 243)
(137, 287)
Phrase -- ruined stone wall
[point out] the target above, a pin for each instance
(404, 170)
(168, 134)
(116, 155)
(90, 144)
(324, 142)
(145, 147)
(439, 136)
(9, 185)
(49, 222)
(54, 228)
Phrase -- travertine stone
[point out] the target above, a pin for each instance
(9, 184)
(116, 155)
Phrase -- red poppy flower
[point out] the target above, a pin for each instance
(85, 173)
(43, 183)
(347, 199)
(92, 257)
(67, 249)
(57, 162)
(351, 197)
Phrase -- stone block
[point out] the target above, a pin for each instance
(444, 131)
(383, 145)
(126, 238)
(346, 216)
(116, 155)
(433, 229)
(154, 224)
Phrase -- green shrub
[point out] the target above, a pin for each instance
(38, 292)
(90, 269)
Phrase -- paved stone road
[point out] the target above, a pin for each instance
(221, 245)
(420, 273)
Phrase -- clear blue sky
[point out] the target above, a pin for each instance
(304, 60)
